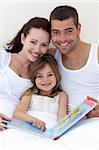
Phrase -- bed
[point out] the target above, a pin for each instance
(82, 136)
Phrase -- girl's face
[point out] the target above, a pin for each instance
(45, 80)
(35, 44)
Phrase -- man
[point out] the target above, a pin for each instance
(78, 61)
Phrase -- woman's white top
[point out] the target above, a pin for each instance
(82, 82)
(12, 86)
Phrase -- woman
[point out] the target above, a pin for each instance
(27, 46)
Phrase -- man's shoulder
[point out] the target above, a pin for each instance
(52, 50)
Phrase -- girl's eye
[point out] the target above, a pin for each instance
(50, 74)
(38, 76)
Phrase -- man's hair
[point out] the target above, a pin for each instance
(64, 12)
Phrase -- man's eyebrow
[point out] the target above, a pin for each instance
(54, 30)
(69, 29)
(64, 29)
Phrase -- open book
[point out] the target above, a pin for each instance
(60, 128)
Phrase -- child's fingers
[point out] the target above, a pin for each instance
(41, 125)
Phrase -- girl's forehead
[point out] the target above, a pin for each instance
(46, 68)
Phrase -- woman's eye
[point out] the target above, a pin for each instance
(45, 45)
(33, 42)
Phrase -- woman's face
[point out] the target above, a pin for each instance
(35, 44)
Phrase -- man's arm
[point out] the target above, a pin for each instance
(95, 111)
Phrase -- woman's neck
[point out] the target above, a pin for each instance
(19, 65)
(21, 59)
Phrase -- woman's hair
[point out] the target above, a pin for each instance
(15, 45)
(38, 65)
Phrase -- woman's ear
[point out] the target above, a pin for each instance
(22, 38)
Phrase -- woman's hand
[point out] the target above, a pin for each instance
(3, 117)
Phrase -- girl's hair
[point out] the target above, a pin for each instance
(15, 45)
(38, 65)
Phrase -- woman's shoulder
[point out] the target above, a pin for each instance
(4, 58)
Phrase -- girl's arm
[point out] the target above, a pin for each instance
(63, 104)
(20, 113)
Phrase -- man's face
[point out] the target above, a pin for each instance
(65, 35)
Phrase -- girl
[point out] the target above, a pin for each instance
(46, 94)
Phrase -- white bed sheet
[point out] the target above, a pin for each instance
(83, 136)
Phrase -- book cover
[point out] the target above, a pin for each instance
(60, 128)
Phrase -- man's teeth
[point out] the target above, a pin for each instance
(65, 44)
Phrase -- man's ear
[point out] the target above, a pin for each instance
(22, 38)
(79, 27)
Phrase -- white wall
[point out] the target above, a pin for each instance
(13, 14)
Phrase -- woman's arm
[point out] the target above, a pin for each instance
(63, 104)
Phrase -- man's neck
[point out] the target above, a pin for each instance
(77, 58)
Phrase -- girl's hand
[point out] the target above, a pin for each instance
(39, 124)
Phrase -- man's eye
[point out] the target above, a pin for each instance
(55, 33)
(69, 31)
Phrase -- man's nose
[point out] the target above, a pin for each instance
(62, 37)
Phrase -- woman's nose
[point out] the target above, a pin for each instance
(38, 48)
